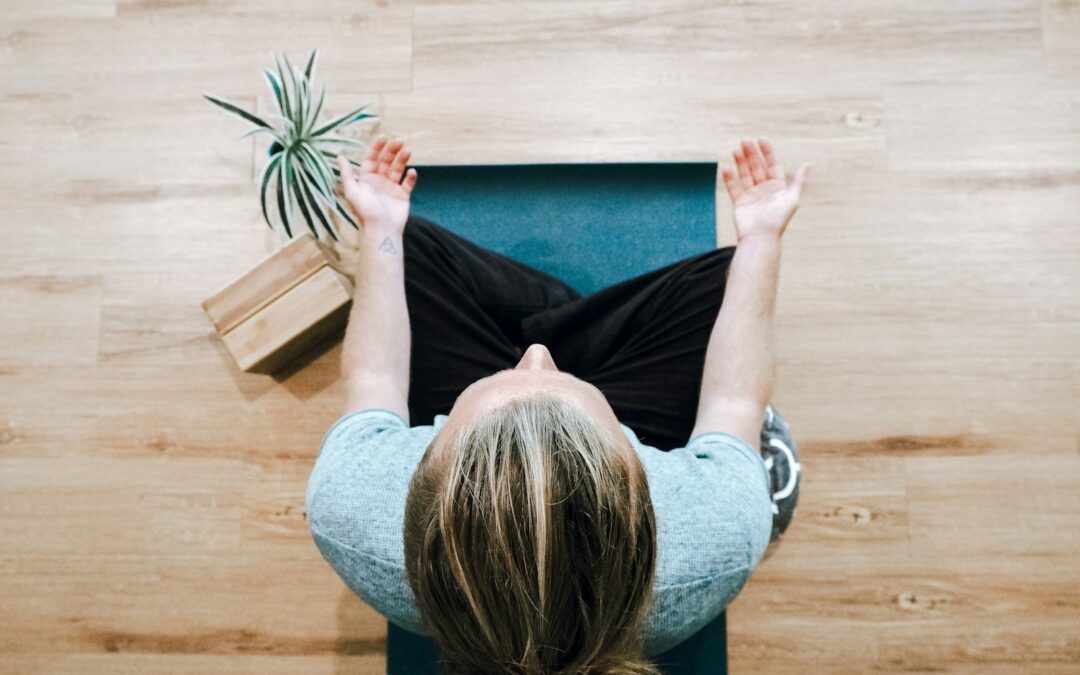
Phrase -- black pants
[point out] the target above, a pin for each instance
(641, 342)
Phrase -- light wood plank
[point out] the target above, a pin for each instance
(49, 319)
(170, 56)
(196, 664)
(1018, 121)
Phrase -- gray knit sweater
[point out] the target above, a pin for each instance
(710, 498)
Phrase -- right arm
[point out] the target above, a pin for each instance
(737, 381)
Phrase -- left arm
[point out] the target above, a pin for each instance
(375, 354)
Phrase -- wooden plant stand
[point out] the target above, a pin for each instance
(282, 306)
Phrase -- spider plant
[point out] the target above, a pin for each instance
(301, 161)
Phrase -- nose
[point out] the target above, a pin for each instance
(536, 357)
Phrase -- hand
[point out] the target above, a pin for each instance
(763, 200)
(378, 197)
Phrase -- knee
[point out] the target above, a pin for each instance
(705, 280)
(420, 224)
(414, 219)
(715, 263)
(721, 260)
(418, 234)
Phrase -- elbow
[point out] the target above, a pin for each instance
(751, 399)
(745, 403)
(759, 528)
(739, 416)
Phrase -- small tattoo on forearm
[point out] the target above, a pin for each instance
(388, 245)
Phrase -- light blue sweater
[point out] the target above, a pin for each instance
(710, 498)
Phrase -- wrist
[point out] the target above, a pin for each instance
(765, 241)
(381, 242)
(377, 253)
(378, 233)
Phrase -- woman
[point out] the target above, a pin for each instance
(568, 518)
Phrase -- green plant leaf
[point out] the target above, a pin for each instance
(315, 204)
(286, 108)
(309, 83)
(260, 130)
(275, 87)
(323, 180)
(290, 179)
(315, 115)
(233, 108)
(332, 200)
(305, 109)
(282, 184)
(325, 183)
(268, 171)
(309, 69)
(344, 120)
(344, 212)
(297, 115)
(289, 128)
(305, 115)
(351, 142)
(299, 189)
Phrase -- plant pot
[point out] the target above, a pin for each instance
(282, 306)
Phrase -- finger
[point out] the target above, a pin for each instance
(386, 158)
(345, 169)
(410, 181)
(772, 164)
(800, 176)
(398, 167)
(754, 160)
(348, 182)
(371, 159)
(734, 189)
(744, 170)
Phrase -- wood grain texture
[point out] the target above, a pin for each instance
(928, 321)
(265, 282)
(284, 329)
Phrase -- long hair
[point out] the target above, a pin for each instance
(530, 544)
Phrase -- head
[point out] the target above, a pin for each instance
(530, 539)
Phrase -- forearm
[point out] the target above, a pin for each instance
(738, 360)
(378, 340)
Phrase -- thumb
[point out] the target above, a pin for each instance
(348, 187)
(800, 176)
(346, 171)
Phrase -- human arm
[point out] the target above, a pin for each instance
(711, 498)
(738, 374)
(375, 353)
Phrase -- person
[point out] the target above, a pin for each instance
(545, 482)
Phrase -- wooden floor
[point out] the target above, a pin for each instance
(928, 322)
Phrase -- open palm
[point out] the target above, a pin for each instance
(378, 196)
(763, 200)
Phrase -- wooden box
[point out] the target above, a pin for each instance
(282, 306)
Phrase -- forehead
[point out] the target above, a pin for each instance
(508, 383)
(505, 385)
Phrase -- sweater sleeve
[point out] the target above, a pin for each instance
(355, 504)
(714, 520)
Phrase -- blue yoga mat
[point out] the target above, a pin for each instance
(591, 225)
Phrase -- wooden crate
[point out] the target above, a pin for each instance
(282, 306)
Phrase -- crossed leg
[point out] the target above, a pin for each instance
(641, 342)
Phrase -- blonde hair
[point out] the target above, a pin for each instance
(530, 544)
